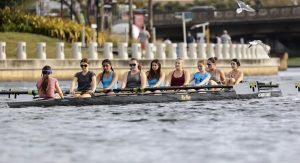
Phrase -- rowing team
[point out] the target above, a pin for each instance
(87, 81)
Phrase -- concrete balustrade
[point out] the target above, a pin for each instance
(238, 51)
(252, 54)
(108, 50)
(41, 50)
(244, 51)
(182, 50)
(2, 51)
(76, 50)
(92, 51)
(136, 51)
(21, 51)
(218, 50)
(172, 51)
(59, 50)
(122, 50)
(161, 51)
(210, 50)
(192, 53)
(201, 50)
(232, 51)
(225, 51)
(149, 51)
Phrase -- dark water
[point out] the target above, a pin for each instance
(235, 131)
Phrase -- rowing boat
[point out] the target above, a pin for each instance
(240, 91)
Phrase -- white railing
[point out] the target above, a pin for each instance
(162, 51)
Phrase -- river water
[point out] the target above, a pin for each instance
(235, 131)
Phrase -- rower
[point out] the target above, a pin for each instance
(85, 79)
(235, 76)
(135, 78)
(217, 76)
(155, 76)
(47, 86)
(201, 77)
(178, 77)
(108, 77)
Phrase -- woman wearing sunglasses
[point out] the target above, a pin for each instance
(85, 79)
(178, 77)
(47, 86)
(235, 76)
(108, 77)
(135, 78)
(217, 75)
(155, 76)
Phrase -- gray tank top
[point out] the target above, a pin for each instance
(215, 76)
(133, 81)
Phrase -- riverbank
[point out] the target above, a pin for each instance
(30, 70)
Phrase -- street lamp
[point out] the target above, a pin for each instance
(185, 17)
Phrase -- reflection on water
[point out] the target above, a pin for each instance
(260, 131)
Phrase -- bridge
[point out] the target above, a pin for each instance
(277, 26)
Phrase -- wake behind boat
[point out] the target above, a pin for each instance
(247, 90)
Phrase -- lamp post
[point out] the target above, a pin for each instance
(184, 18)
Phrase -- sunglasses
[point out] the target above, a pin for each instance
(132, 65)
(83, 65)
(209, 64)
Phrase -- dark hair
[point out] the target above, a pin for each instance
(236, 61)
(154, 74)
(213, 59)
(85, 60)
(107, 61)
(139, 65)
(46, 71)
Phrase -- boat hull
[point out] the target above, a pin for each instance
(143, 98)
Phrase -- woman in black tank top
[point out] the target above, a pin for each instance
(135, 77)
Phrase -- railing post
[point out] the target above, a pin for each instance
(225, 51)
(76, 50)
(2, 51)
(182, 50)
(149, 50)
(41, 50)
(60, 50)
(93, 51)
(218, 50)
(232, 51)
(21, 51)
(136, 51)
(108, 50)
(122, 50)
(244, 51)
(210, 50)
(201, 50)
(161, 50)
(192, 53)
(172, 54)
(238, 51)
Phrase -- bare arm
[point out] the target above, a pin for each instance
(74, 81)
(186, 77)
(168, 80)
(160, 80)
(98, 78)
(222, 76)
(59, 90)
(114, 80)
(143, 79)
(93, 83)
(205, 80)
(124, 81)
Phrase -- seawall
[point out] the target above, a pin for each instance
(30, 69)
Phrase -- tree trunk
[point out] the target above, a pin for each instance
(150, 19)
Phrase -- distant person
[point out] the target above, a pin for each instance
(155, 76)
(85, 79)
(190, 38)
(179, 76)
(144, 37)
(47, 86)
(217, 76)
(225, 38)
(167, 41)
(108, 77)
(201, 77)
(235, 76)
(135, 77)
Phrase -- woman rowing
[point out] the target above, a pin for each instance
(135, 78)
(108, 77)
(155, 76)
(217, 76)
(235, 76)
(201, 77)
(85, 79)
(47, 86)
(178, 77)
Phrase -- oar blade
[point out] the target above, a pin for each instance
(289, 89)
(246, 88)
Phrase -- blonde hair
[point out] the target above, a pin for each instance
(202, 62)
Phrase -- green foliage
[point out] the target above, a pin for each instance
(17, 21)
